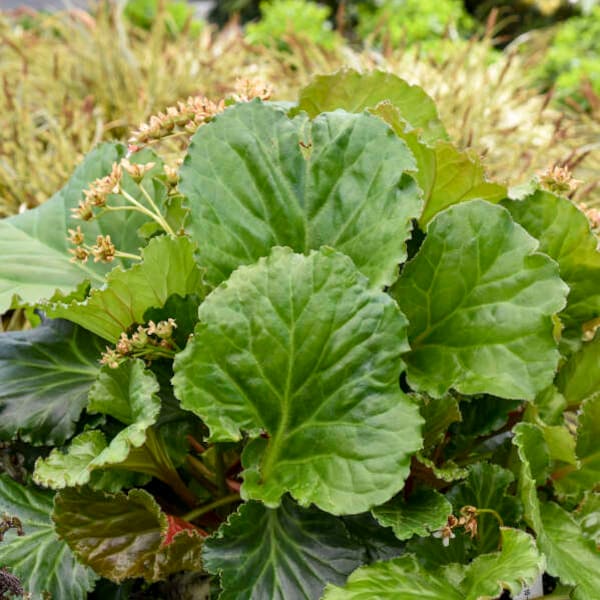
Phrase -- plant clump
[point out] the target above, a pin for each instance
(325, 341)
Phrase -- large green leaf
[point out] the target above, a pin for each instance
(486, 487)
(587, 474)
(46, 374)
(168, 267)
(564, 234)
(128, 394)
(579, 378)
(283, 553)
(44, 563)
(355, 92)
(518, 563)
(446, 175)
(570, 555)
(480, 301)
(424, 512)
(301, 349)
(339, 181)
(122, 536)
(34, 246)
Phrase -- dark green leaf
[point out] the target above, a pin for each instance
(486, 487)
(46, 374)
(283, 553)
(39, 559)
(424, 512)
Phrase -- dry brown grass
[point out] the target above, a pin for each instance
(76, 79)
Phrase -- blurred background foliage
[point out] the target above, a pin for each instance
(518, 82)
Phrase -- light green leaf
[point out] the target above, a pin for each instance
(534, 452)
(339, 180)
(448, 471)
(570, 555)
(518, 563)
(122, 536)
(587, 448)
(424, 512)
(486, 487)
(354, 92)
(128, 394)
(446, 175)
(588, 517)
(560, 442)
(168, 267)
(564, 234)
(34, 246)
(39, 559)
(480, 301)
(301, 348)
(46, 374)
(579, 378)
(289, 552)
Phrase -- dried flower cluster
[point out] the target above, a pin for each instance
(103, 251)
(7, 522)
(9, 584)
(150, 342)
(467, 520)
(186, 117)
(559, 180)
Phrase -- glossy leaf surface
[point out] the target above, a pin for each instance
(288, 552)
(300, 348)
(479, 301)
(39, 558)
(46, 374)
(338, 181)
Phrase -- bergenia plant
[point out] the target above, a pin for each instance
(320, 357)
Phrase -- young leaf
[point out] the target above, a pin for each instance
(486, 487)
(564, 234)
(570, 555)
(587, 475)
(288, 552)
(579, 378)
(518, 563)
(127, 394)
(39, 558)
(438, 414)
(46, 374)
(300, 347)
(446, 175)
(424, 512)
(480, 301)
(168, 267)
(355, 92)
(351, 191)
(34, 246)
(122, 536)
